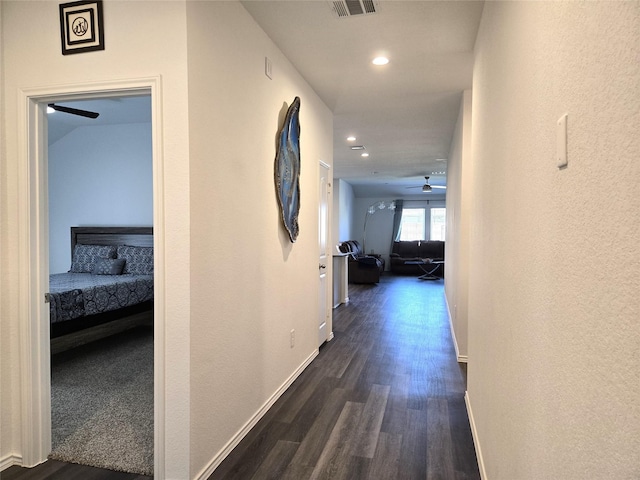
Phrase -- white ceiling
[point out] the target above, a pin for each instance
(404, 113)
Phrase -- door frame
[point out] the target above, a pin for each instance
(322, 165)
(33, 257)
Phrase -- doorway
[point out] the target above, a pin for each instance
(34, 230)
(99, 160)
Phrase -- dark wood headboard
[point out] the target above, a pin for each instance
(134, 236)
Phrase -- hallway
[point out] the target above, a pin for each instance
(384, 399)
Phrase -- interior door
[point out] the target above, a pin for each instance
(324, 258)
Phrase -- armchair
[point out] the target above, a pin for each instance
(362, 268)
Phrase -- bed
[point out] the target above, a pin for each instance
(110, 280)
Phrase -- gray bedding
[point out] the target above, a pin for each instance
(74, 295)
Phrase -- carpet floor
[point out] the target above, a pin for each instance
(102, 403)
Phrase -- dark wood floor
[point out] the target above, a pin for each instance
(54, 470)
(384, 400)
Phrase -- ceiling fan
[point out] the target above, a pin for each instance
(426, 188)
(73, 111)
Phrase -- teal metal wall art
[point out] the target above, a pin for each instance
(287, 169)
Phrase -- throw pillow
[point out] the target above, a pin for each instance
(109, 266)
(86, 256)
(139, 260)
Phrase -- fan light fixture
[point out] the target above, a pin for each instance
(426, 188)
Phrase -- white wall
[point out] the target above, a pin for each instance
(155, 47)
(459, 202)
(554, 254)
(98, 176)
(379, 227)
(249, 284)
(343, 199)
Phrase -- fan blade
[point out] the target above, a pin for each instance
(432, 186)
(74, 111)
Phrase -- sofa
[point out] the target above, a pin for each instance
(362, 268)
(411, 251)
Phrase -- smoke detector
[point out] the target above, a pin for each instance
(351, 8)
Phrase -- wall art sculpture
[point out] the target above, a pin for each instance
(287, 169)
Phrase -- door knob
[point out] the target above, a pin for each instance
(322, 265)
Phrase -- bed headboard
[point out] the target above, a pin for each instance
(134, 236)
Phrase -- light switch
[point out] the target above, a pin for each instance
(561, 142)
(268, 67)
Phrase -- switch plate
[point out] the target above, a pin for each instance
(561, 142)
(293, 338)
(268, 68)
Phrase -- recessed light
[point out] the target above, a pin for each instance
(365, 154)
(351, 138)
(380, 61)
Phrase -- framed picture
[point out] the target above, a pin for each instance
(81, 26)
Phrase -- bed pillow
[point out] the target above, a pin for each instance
(139, 260)
(86, 256)
(109, 266)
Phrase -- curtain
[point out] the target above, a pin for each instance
(397, 217)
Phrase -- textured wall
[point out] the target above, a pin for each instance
(554, 273)
(459, 201)
(250, 284)
(343, 199)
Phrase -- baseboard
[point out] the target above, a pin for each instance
(10, 461)
(476, 440)
(237, 438)
(459, 358)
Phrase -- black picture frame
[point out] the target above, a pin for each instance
(81, 26)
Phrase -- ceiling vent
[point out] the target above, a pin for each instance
(350, 8)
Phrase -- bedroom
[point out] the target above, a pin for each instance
(100, 174)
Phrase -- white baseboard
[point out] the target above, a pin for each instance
(476, 440)
(237, 438)
(9, 461)
(460, 358)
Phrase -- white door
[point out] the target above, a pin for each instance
(323, 256)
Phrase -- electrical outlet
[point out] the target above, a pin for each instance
(293, 338)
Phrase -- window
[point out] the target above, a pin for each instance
(414, 222)
(438, 224)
